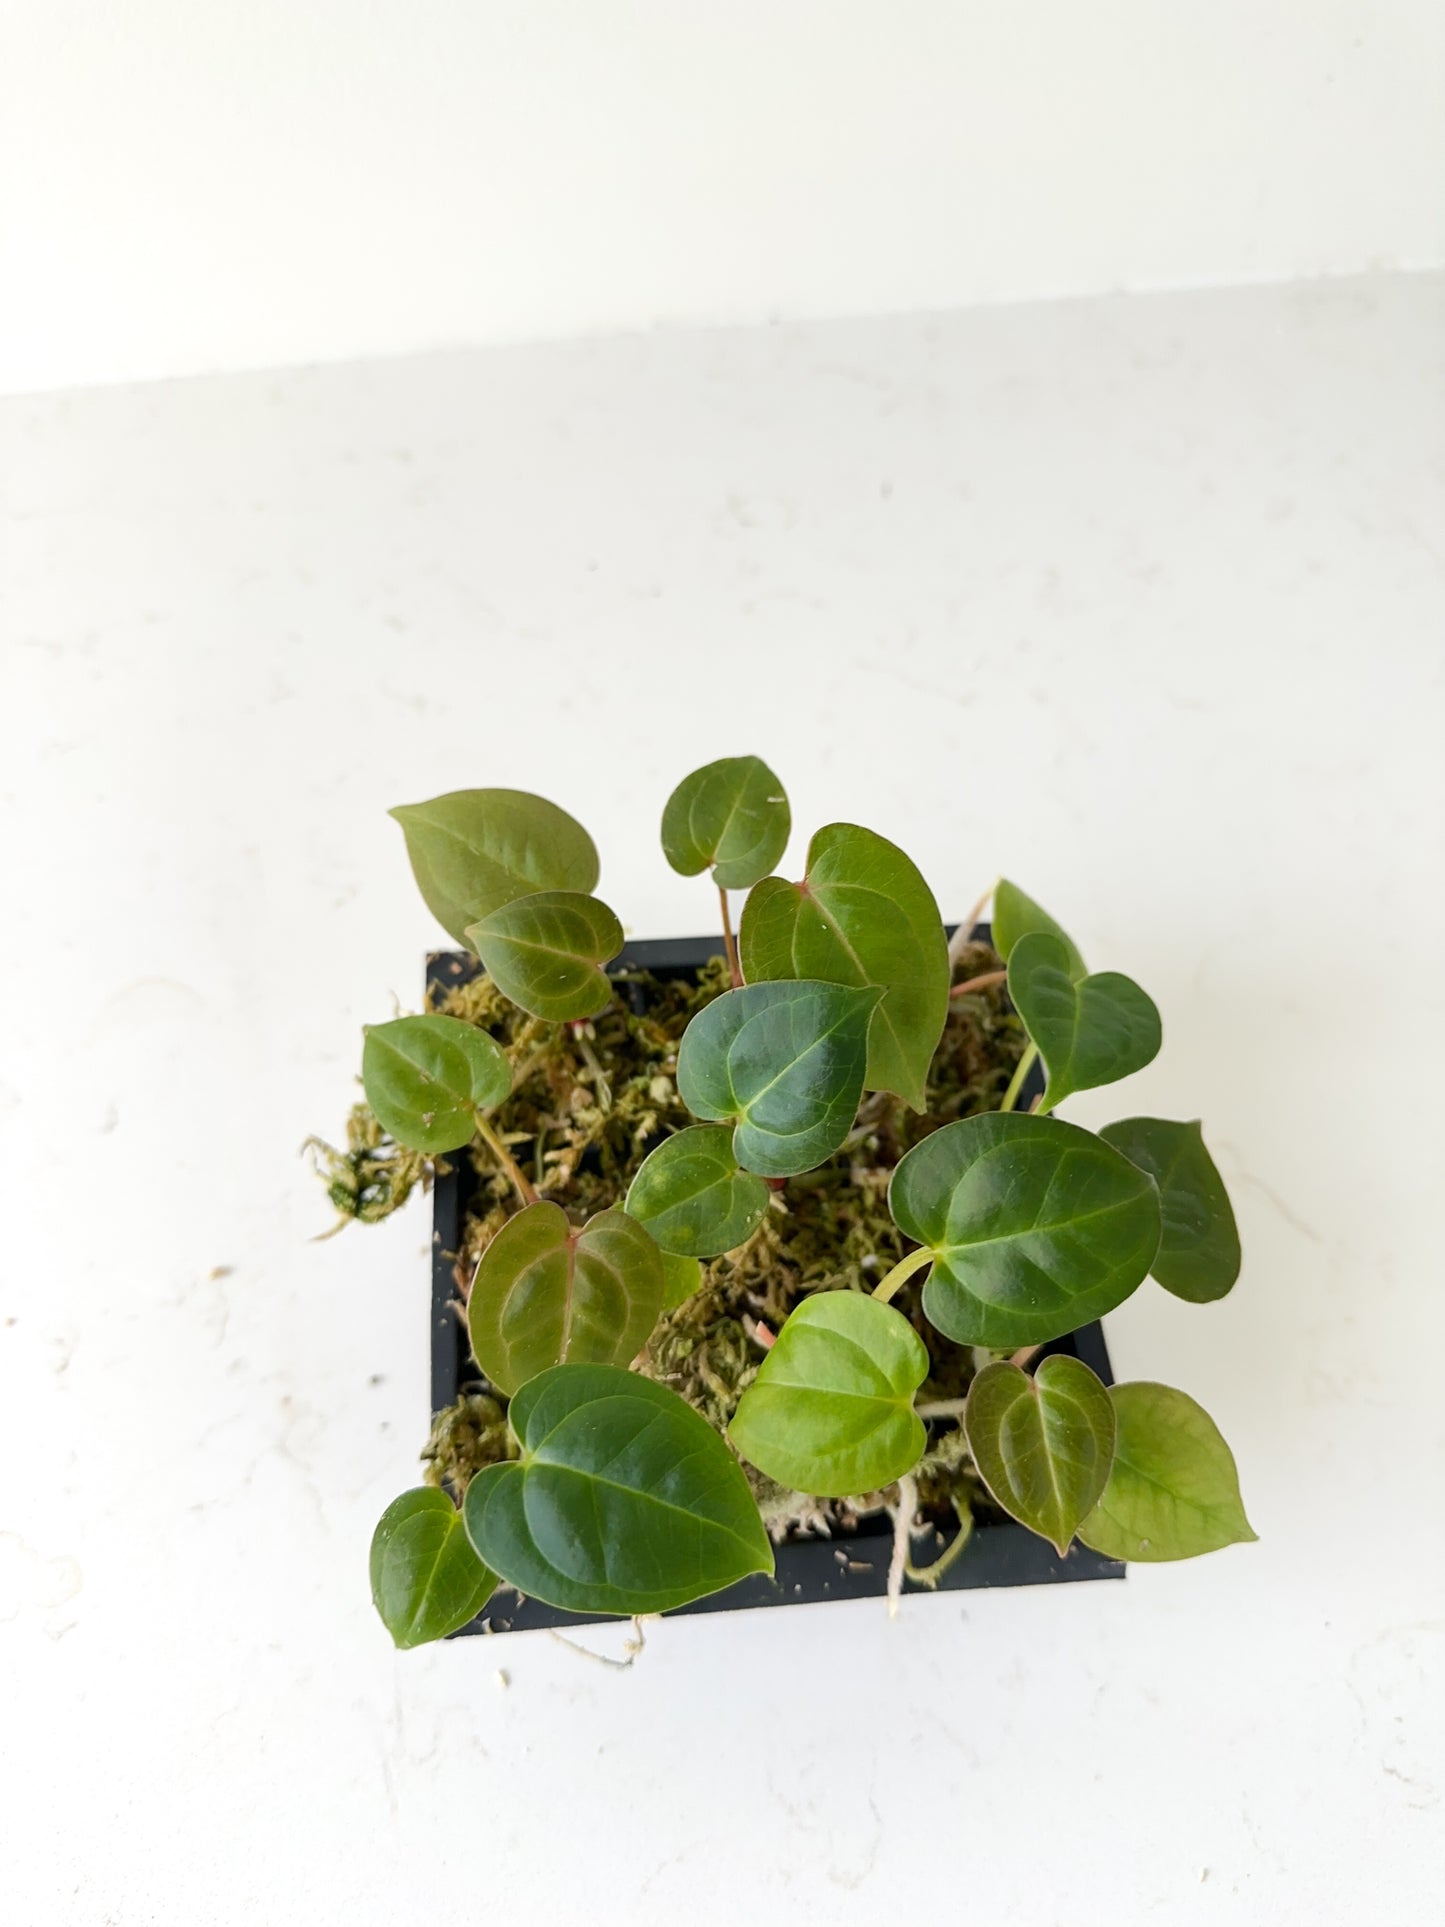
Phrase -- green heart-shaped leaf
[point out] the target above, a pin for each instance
(473, 850)
(625, 1500)
(1042, 1445)
(1173, 1491)
(1035, 1226)
(427, 1077)
(692, 1196)
(862, 915)
(1016, 915)
(680, 1279)
(546, 952)
(785, 1062)
(731, 814)
(1198, 1255)
(426, 1578)
(546, 1293)
(831, 1410)
(1090, 1031)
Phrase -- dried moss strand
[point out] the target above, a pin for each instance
(499, 1151)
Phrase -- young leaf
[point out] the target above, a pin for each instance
(785, 1063)
(625, 1500)
(862, 915)
(680, 1279)
(427, 1077)
(1035, 1226)
(1198, 1255)
(1174, 1490)
(1089, 1030)
(545, 952)
(693, 1198)
(831, 1410)
(546, 1293)
(473, 850)
(731, 814)
(1042, 1445)
(1016, 915)
(426, 1579)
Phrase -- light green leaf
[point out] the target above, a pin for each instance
(1035, 1226)
(545, 952)
(1016, 915)
(546, 1293)
(1198, 1255)
(473, 850)
(1042, 1445)
(427, 1077)
(1090, 1030)
(785, 1063)
(426, 1579)
(831, 1410)
(731, 814)
(1174, 1490)
(625, 1500)
(862, 915)
(692, 1196)
(681, 1278)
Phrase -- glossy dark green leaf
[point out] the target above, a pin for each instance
(1042, 1445)
(1016, 915)
(680, 1279)
(546, 1293)
(1090, 1030)
(426, 1578)
(862, 915)
(625, 1499)
(546, 952)
(1173, 1491)
(427, 1077)
(692, 1196)
(731, 815)
(1198, 1255)
(1035, 1226)
(831, 1409)
(783, 1062)
(473, 850)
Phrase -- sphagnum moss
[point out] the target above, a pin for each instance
(590, 1100)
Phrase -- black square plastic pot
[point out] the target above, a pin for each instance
(851, 1566)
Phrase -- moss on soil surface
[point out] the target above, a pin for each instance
(588, 1102)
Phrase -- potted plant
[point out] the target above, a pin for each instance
(755, 1252)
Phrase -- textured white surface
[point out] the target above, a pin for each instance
(1140, 600)
(202, 187)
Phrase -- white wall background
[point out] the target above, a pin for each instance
(241, 183)
(1140, 600)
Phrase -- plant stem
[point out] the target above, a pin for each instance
(930, 1575)
(1025, 1355)
(967, 926)
(504, 1157)
(1016, 1082)
(942, 1408)
(902, 1271)
(728, 943)
(974, 984)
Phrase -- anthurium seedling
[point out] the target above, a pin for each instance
(831, 1130)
